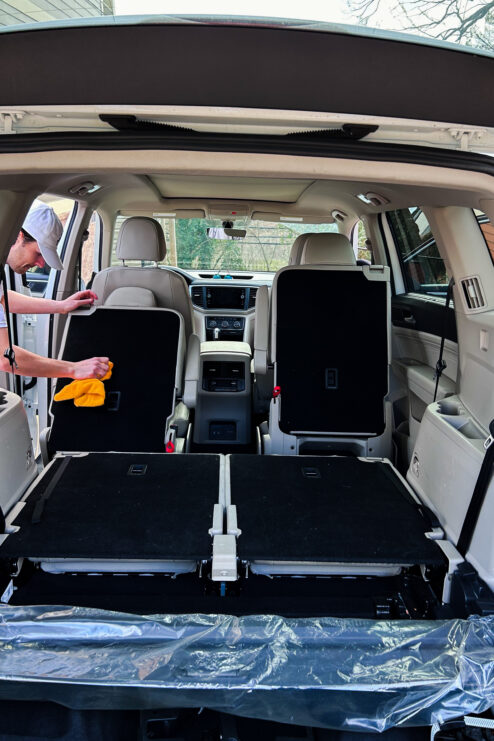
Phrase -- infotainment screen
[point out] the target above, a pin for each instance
(225, 297)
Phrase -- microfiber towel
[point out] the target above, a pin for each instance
(90, 392)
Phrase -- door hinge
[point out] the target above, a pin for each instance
(467, 137)
(8, 119)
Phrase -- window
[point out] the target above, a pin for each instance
(89, 257)
(487, 230)
(362, 244)
(265, 247)
(423, 267)
(36, 279)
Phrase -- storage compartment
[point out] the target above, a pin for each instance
(17, 462)
(445, 464)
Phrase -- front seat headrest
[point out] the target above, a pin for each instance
(131, 296)
(141, 238)
(326, 248)
(298, 248)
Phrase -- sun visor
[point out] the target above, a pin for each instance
(358, 675)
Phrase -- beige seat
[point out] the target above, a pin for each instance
(142, 238)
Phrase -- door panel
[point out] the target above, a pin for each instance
(417, 326)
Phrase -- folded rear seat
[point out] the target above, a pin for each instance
(336, 515)
(118, 512)
(112, 498)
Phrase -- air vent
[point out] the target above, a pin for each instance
(197, 294)
(252, 297)
(472, 291)
(206, 275)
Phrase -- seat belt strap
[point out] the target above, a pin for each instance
(9, 353)
(478, 496)
(441, 365)
(40, 504)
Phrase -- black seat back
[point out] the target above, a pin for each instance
(144, 345)
(331, 350)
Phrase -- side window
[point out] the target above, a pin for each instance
(423, 268)
(487, 230)
(362, 245)
(36, 279)
(90, 252)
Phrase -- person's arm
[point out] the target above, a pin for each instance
(29, 364)
(20, 304)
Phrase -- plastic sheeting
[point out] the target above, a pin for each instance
(335, 673)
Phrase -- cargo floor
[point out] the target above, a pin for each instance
(329, 509)
(119, 506)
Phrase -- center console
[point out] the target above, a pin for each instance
(226, 327)
(224, 311)
(223, 407)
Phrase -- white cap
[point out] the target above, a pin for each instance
(43, 224)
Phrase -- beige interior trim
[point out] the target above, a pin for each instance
(251, 165)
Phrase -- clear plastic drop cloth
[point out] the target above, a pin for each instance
(335, 673)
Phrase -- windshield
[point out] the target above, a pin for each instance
(467, 22)
(265, 247)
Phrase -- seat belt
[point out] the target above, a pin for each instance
(9, 353)
(478, 496)
(441, 364)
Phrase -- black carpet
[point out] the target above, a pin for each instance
(338, 509)
(143, 345)
(331, 352)
(97, 510)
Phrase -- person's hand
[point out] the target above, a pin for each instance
(81, 298)
(90, 368)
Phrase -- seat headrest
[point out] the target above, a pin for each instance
(141, 238)
(327, 249)
(297, 249)
(131, 296)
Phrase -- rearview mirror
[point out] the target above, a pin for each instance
(215, 232)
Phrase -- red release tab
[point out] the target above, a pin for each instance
(170, 447)
(276, 391)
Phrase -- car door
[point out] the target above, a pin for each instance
(421, 316)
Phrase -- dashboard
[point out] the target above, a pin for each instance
(225, 310)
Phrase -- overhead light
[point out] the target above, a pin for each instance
(84, 189)
(373, 199)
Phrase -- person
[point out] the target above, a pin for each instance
(36, 244)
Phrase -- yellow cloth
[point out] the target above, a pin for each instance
(90, 392)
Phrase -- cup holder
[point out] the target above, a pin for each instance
(450, 408)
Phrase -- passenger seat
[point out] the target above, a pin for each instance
(142, 238)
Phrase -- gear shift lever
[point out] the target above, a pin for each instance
(216, 333)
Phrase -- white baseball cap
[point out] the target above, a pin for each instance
(45, 227)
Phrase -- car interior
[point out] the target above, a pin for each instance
(278, 523)
(271, 442)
